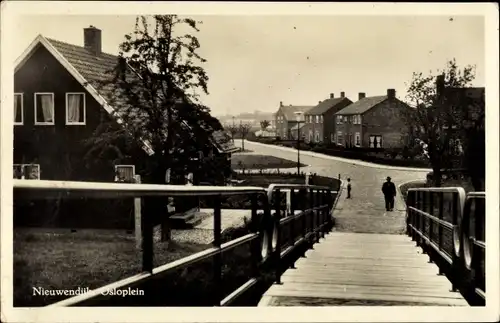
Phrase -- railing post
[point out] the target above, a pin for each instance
(277, 222)
(431, 222)
(147, 236)
(217, 265)
(255, 250)
(291, 225)
(303, 198)
(457, 270)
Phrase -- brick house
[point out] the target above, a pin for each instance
(372, 122)
(287, 117)
(58, 105)
(320, 125)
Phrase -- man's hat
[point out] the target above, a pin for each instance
(388, 178)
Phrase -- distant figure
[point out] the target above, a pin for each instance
(389, 190)
(348, 188)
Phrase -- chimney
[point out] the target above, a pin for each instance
(391, 94)
(331, 95)
(281, 103)
(342, 94)
(92, 39)
(361, 95)
(319, 102)
(440, 84)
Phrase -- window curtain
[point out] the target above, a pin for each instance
(74, 108)
(47, 108)
(16, 107)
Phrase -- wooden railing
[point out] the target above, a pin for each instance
(274, 233)
(449, 226)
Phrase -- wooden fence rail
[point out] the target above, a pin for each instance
(275, 232)
(449, 226)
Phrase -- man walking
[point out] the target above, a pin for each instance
(389, 190)
(348, 188)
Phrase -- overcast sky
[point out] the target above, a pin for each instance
(254, 62)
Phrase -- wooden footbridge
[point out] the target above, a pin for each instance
(292, 239)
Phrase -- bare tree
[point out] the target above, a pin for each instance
(232, 129)
(244, 130)
(153, 90)
(434, 119)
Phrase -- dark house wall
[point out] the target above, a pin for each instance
(387, 120)
(281, 125)
(59, 151)
(57, 148)
(329, 120)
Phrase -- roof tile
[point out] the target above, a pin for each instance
(363, 105)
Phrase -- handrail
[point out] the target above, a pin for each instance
(315, 220)
(46, 188)
(425, 214)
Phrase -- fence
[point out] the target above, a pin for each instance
(275, 232)
(449, 225)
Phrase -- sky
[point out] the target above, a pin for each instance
(254, 62)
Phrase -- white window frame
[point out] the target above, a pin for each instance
(84, 109)
(124, 165)
(339, 135)
(316, 136)
(53, 110)
(357, 136)
(332, 137)
(22, 109)
(321, 119)
(317, 119)
(23, 172)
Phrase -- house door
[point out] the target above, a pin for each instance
(350, 140)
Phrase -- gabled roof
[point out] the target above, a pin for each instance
(325, 105)
(87, 68)
(289, 110)
(363, 105)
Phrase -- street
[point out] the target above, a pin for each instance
(365, 212)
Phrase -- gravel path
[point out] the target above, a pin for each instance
(203, 232)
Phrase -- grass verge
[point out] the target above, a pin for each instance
(66, 261)
(260, 162)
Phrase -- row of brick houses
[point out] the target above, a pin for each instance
(376, 121)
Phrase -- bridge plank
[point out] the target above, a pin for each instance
(378, 269)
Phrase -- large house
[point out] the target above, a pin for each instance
(372, 122)
(287, 117)
(59, 104)
(320, 125)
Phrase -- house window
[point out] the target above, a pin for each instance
(18, 109)
(357, 139)
(125, 173)
(26, 171)
(375, 141)
(321, 119)
(358, 119)
(339, 138)
(75, 108)
(316, 137)
(44, 108)
(332, 137)
(310, 136)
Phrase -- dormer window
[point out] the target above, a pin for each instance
(75, 108)
(44, 108)
(18, 109)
